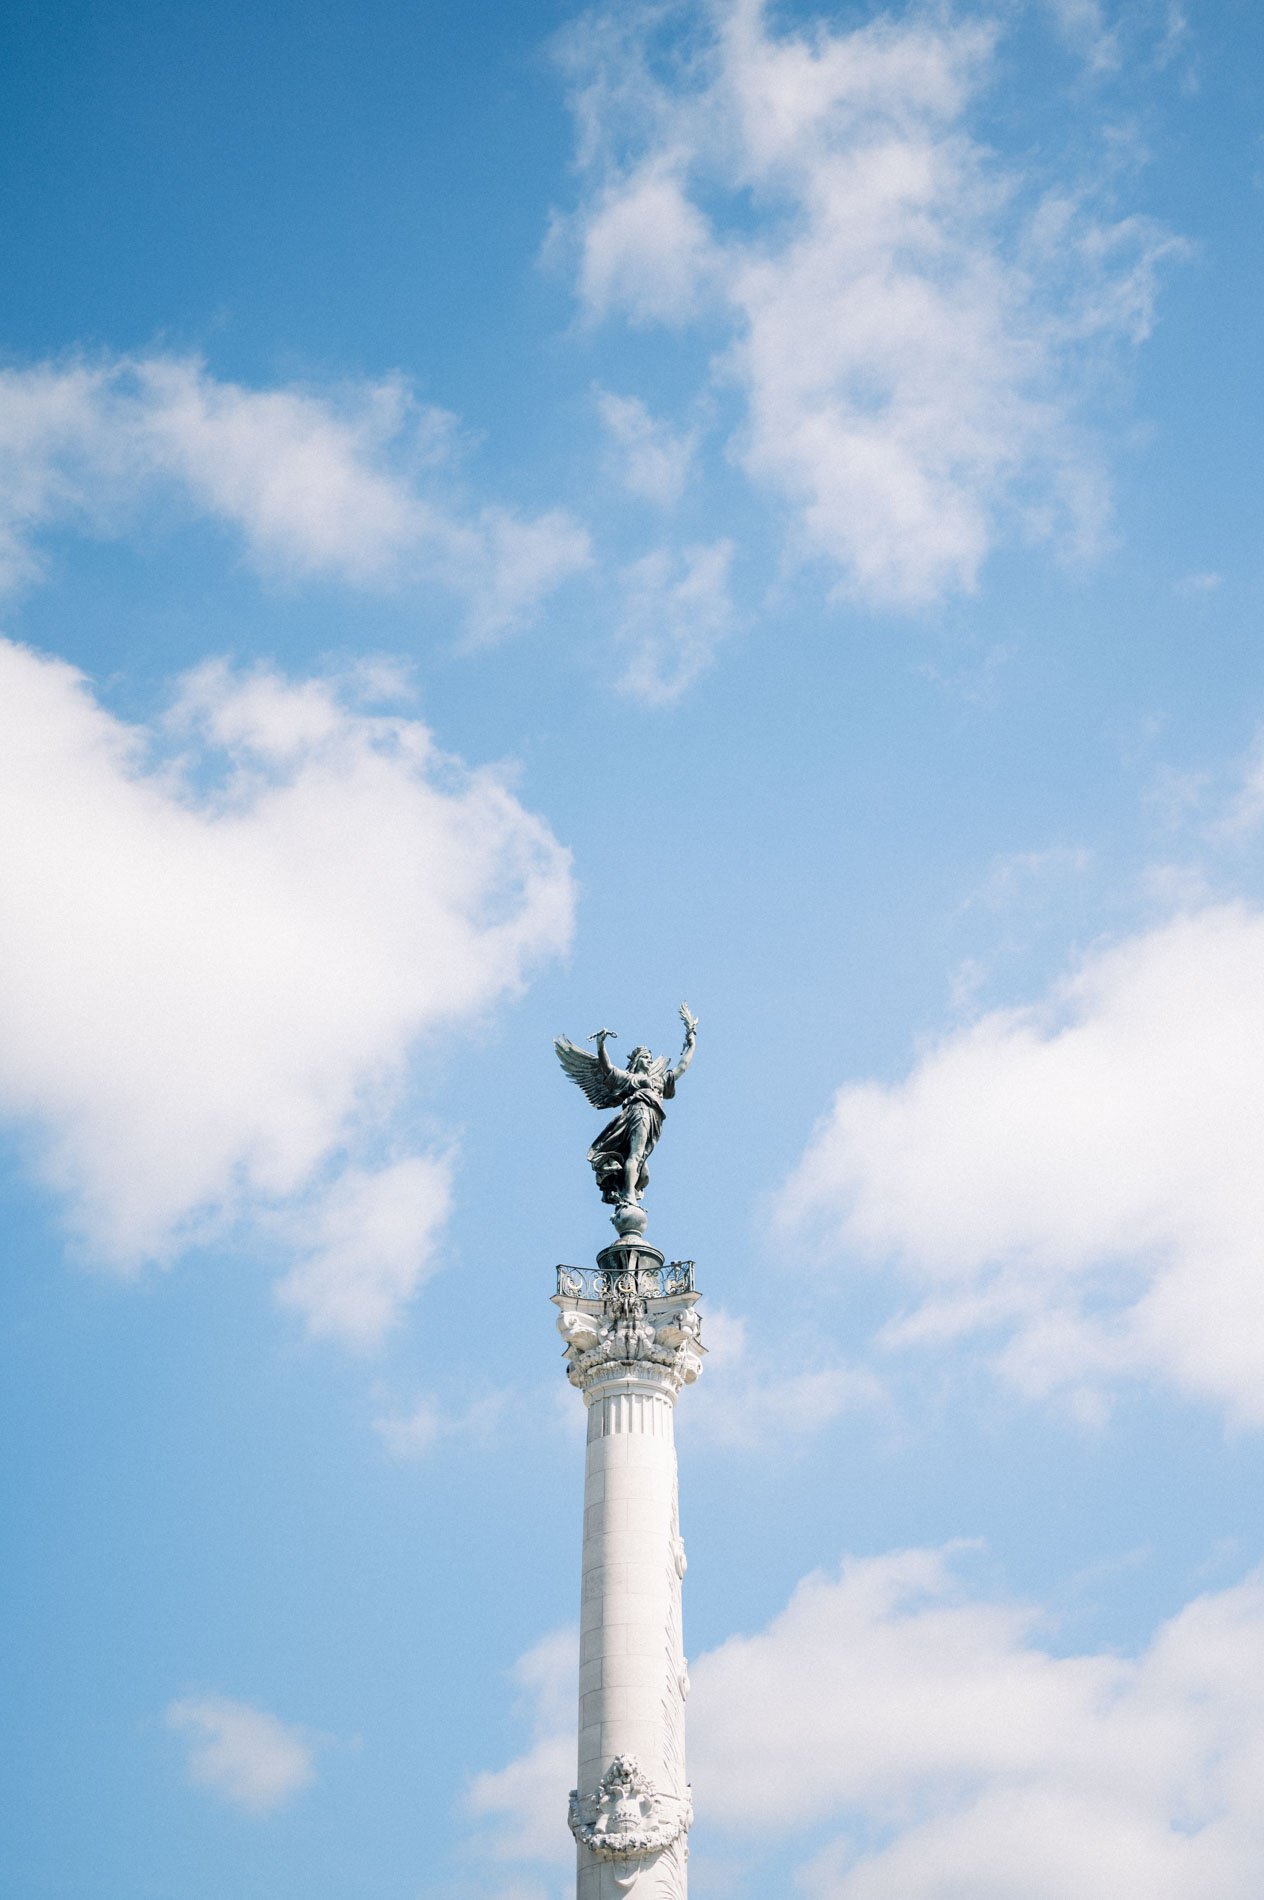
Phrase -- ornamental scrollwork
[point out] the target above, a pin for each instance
(650, 1278)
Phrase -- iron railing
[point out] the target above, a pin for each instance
(644, 1282)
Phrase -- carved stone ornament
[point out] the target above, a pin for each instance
(596, 1342)
(582, 1331)
(625, 1817)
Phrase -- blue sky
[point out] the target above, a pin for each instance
(510, 518)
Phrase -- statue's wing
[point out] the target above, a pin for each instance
(597, 1084)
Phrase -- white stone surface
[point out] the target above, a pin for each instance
(632, 1798)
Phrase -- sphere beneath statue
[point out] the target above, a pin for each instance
(629, 1218)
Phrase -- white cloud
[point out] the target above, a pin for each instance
(907, 319)
(222, 940)
(366, 1244)
(341, 482)
(676, 611)
(1079, 1180)
(1206, 582)
(1000, 1766)
(505, 564)
(242, 1754)
(527, 1799)
(770, 1401)
(1083, 26)
(1106, 38)
(652, 458)
(1018, 878)
(414, 1433)
(1241, 816)
(645, 248)
(889, 1703)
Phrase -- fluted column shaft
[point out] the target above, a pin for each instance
(631, 1809)
(629, 1677)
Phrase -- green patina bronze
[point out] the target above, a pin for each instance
(620, 1155)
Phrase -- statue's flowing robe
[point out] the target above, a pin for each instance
(637, 1124)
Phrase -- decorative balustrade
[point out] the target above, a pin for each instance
(642, 1281)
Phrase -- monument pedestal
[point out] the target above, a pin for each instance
(633, 1342)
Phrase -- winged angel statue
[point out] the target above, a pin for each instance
(621, 1152)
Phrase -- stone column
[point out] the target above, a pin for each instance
(633, 1340)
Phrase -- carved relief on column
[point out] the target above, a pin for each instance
(676, 1674)
(626, 1817)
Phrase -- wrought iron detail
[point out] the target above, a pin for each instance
(642, 1282)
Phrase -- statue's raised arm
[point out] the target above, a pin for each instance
(596, 1075)
(619, 1157)
(690, 1021)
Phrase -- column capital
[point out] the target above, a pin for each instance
(629, 1323)
(658, 1349)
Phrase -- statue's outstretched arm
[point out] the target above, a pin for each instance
(690, 1021)
(603, 1059)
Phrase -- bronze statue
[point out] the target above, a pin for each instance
(621, 1152)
